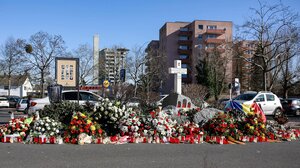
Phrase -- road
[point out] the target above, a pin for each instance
(5, 115)
(261, 155)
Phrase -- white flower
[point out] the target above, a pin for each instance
(46, 124)
(105, 112)
(43, 129)
(53, 124)
(48, 128)
(116, 115)
(109, 104)
(57, 131)
(102, 109)
(52, 133)
(124, 128)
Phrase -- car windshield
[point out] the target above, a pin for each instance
(248, 96)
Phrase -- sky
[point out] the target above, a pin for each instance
(126, 23)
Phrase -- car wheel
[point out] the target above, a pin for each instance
(297, 113)
(277, 112)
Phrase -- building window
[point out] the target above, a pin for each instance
(184, 75)
(200, 37)
(183, 37)
(6, 87)
(71, 72)
(211, 45)
(200, 27)
(212, 27)
(183, 47)
(184, 65)
(184, 29)
(211, 36)
(183, 56)
(62, 72)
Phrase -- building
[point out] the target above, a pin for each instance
(19, 85)
(154, 65)
(191, 42)
(251, 76)
(112, 64)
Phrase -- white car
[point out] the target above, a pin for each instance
(21, 105)
(67, 95)
(4, 102)
(268, 101)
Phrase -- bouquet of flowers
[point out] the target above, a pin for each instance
(18, 126)
(80, 124)
(130, 124)
(108, 114)
(223, 124)
(46, 126)
(160, 124)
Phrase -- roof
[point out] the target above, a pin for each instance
(16, 80)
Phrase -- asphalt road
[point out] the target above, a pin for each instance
(260, 155)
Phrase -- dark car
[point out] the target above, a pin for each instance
(13, 100)
(291, 106)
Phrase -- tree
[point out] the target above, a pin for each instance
(267, 26)
(212, 69)
(86, 67)
(135, 66)
(13, 60)
(45, 48)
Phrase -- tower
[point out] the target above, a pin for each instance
(96, 59)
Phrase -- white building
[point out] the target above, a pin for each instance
(20, 85)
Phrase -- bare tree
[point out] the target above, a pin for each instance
(135, 66)
(267, 27)
(86, 67)
(45, 48)
(196, 92)
(12, 58)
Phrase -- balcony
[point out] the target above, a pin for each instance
(187, 80)
(215, 31)
(215, 41)
(185, 42)
(181, 51)
(185, 33)
(209, 50)
(186, 61)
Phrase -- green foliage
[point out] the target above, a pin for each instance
(61, 111)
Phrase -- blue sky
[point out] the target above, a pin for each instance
(127, 23)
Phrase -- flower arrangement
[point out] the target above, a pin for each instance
(18, 126)
(46, 126)
(109, 114)
(79, 124)
(130, 124)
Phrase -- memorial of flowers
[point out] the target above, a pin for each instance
(114, 123)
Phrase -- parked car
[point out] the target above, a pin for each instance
(67, 95)
(13, 100)
(4, 102)
(268, 101)
(291, 106)
(21, 105)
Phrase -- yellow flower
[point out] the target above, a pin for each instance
(88, 121)
(263, 126)
(93, 128)
(75, 117)
(73, 127)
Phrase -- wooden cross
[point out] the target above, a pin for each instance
(177, 70)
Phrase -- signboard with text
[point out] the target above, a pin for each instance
(67, 71)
